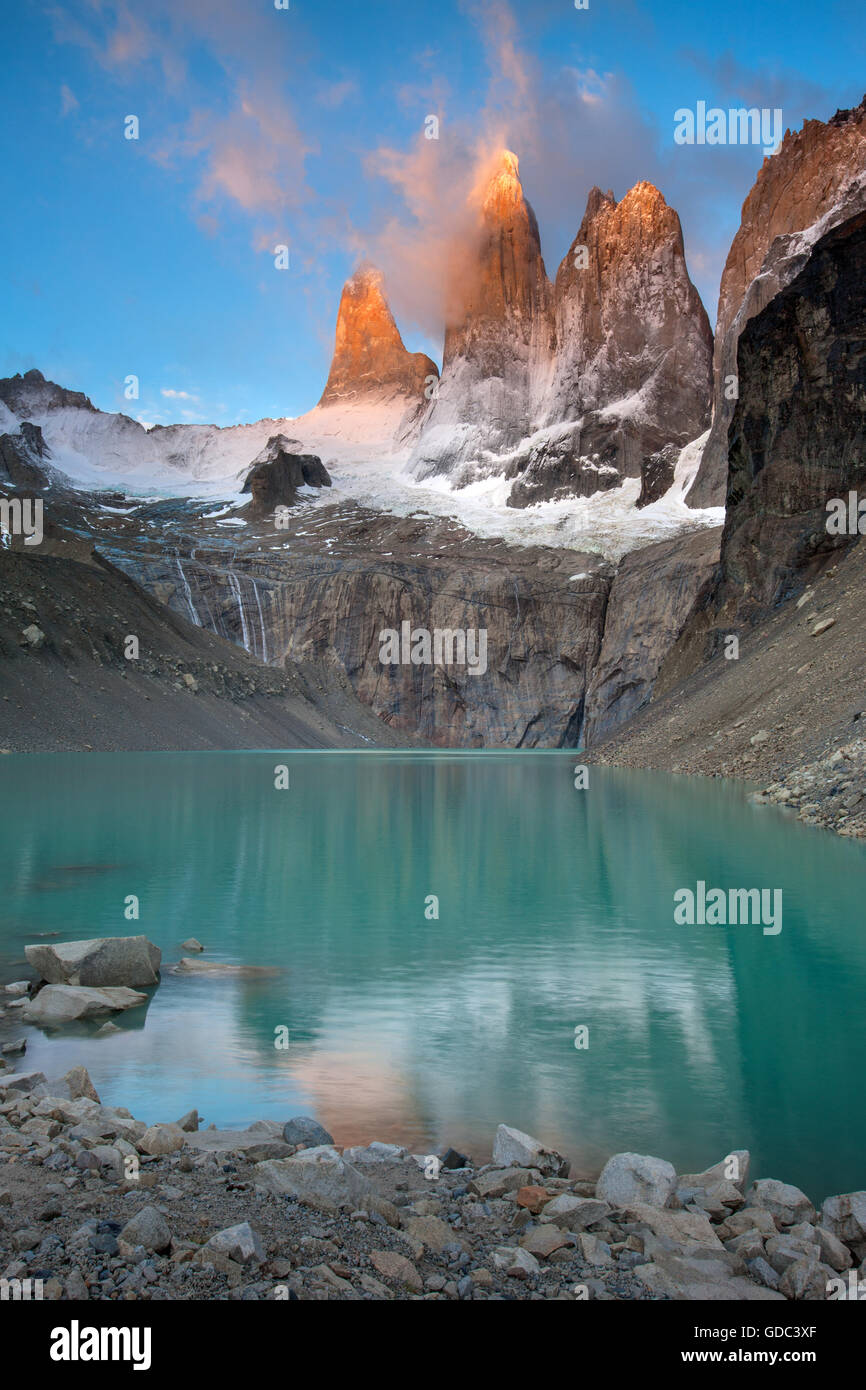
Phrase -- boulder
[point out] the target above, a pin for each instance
(302, 1129)
(514, 1149)
(191, 945)
(162, 1139)
(108, 960)
(574, 1213)
(733, 1168)
(495, 1182)
(845, 1217)
(239, 1243)
(807, 1279)
(148, 1228)
(517, 1263)
(189, 1122)
(58, 1004)
(785, 1203)
(542, 1241)
(397, 1268)
(318, 1176)
(23, 1081)
(687, 1229)
(627, 1178)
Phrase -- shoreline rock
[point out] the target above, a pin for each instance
(190, 1214)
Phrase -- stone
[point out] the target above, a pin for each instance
(430, 1231)
(516, 1263)
(302, 1129)
(239, 1243)
(103, 961)
(688, 1229)
(33, 637)
(700, 1277)
(397, 1269)
(593, 1250)
(189, 1122)
(452, 1158)
(763, 1272)
(574, 1213)
(495, 1182)
(807, 1278)
(58, 1004)
(14, 1049)
(783, 1251)
(543, 1240)
(630, 1177)
(785, 1203)
(162, 1139)
(23, 1081)
(188, 965)
(17, 988)
(191, 945)
(844, 1216)
(747, 1219)
(148, 1228)
(318, 1176)
(78, 1083)
(514, 1149)
(733, 1168)
(533, 1198)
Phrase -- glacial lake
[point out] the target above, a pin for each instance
(556, 912)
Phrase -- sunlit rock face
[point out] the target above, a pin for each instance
(815, 181)
(499, 343)
(633, 360)
(567, 388)
(370, 362)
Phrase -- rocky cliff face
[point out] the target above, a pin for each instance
(329, 598)
(797, 440)
(370, 363)
(633, 350)
(500, 342)
(798, 436)
(653, 593)
(816, 180)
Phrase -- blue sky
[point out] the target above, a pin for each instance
(305, 127)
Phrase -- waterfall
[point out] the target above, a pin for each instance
(261, 620)
(235, 586)
(188, 593)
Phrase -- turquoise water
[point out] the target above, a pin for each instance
(555, 910)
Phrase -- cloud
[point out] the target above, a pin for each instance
(68, 101)
(334, 94)
(173, 395)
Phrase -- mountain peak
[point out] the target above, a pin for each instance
(370, 359)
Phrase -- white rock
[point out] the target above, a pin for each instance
(239, 1243)
(627, 1178)
(520, 1264)
(57, 1004)
(318, 1176)
(786, 1203)
(514, 1149)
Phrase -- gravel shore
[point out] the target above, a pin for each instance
(98, 1205)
